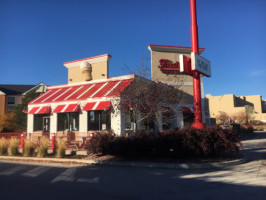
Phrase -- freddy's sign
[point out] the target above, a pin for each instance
(168, 67)
(183, 67)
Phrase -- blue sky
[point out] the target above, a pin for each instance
(38, 36)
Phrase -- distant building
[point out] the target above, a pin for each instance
(232, 104)
(11, 95)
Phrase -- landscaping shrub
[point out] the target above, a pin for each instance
(171, 144)
(60, 148)
(3, 146)
(100, 143)
(13, 146)
(29, 147)
(43, 146)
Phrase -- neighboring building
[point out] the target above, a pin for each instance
(232, 104)
(11, 95)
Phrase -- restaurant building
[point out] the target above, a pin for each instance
(89, 102)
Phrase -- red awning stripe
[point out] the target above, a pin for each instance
(65, 91)
(74, 92)
(33, 110)
(89, 106)
(59, 108)
(104, 105)
(99, 89)
(109, 91)
(44, 110)
(72, 108)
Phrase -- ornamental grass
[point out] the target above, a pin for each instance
(43, 146)
(60, 148)
(3, 146)
(29, 147)
(13, 146)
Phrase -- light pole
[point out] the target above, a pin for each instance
(198, 124)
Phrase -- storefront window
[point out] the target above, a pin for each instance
(147, 123)
(68, 121)
(129, 121)
(168, 120)
(41, 123)
(99, 120)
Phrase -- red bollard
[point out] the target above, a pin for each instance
(21, 141)
(53, 141)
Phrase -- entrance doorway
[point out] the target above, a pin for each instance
(46, 124)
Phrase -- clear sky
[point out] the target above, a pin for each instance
(38, 36)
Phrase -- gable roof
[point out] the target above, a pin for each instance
(111, 87)
(15, 89)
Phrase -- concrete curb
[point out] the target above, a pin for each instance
(125, 163)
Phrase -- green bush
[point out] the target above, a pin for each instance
(3, 146)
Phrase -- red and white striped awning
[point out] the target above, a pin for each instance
(67, 108)
(102, 105)
(94, 89)
(59, 108)
(34, 110)
(72, 108)
(40, 110)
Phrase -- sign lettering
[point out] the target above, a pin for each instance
(168, 67)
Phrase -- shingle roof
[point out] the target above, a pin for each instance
(15, 89)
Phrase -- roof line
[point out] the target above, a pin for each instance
(87, 58)
(176, 47)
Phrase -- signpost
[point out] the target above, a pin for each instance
(194, 66)
(198, 124)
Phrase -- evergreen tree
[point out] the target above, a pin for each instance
(20, 111)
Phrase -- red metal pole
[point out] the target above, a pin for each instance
(53, 141)
(21, 141)
(196, 76)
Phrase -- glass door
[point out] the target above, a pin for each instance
(46, 124)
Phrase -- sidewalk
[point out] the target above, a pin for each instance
(121, 163)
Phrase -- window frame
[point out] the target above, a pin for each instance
(68, 124)
(98, 121)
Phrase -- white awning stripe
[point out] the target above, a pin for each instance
(74, 92)
(86, 91)
(62, 93)
(99, 89)
(112, 88)
(41, 96)
(52, 95)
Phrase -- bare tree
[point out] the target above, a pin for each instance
(145, 100)
(223, 118)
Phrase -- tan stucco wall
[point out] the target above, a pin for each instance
(257, 101)
(225, 103)
(157, 75)
(182, 82)
(99, 71)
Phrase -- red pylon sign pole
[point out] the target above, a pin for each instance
(196, 76)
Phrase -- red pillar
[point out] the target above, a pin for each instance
(53, 141)
(21, 141)
(196, 76)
